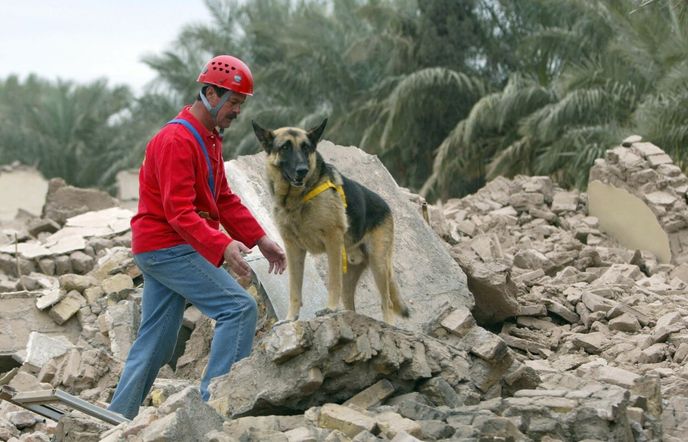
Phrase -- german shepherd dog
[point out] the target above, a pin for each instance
(317, 209)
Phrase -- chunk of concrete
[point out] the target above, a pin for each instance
(63, 201)
(31, 196)
(19, 317)
(42, 348)
(372, 395)
(346, 420)
(628, 219)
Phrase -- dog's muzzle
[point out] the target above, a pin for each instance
(293, 181)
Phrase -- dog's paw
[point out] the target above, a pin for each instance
(324, 312)
(284, 321)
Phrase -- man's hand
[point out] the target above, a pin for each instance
(274, 254)
(234, 255)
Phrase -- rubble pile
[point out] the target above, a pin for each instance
(565, 296)
(575, 335)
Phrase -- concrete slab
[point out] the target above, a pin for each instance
(19, 317)
(628, 219)
(427, 275)
(21, 188)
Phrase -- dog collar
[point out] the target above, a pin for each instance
(323, 187)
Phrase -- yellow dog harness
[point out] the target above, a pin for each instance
(340, 190)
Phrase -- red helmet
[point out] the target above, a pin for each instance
(228, 72)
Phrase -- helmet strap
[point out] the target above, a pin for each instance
(214, 110)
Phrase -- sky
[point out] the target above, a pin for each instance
(83, 40)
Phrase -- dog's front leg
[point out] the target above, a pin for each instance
(296, 256)
(334, 248)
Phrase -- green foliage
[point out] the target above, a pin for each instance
(596, 72)
(64, 129)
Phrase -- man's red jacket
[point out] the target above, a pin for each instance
(173, 189)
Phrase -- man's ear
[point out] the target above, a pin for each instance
(315, 133)
(265, 137)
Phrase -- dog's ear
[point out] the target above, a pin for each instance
(265, 137)
(315, 133)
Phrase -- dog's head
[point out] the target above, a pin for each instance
(291, 149)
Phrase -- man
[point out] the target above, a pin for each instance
(177, 244)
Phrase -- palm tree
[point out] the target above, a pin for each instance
(64, 129)
(598, 69)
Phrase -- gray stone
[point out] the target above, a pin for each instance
(596, 303)
(592, 342)
(625, 323)
(435, 430)
(494, 290)
(413, 396)
(218, 436)
(19, 317)
(174, 426)
(93, 294)
(192, 315)
(63, 201)
(67, 307)
(81, 262)
(346, 420)
(371, 351)
(564, 202)
(561, 311)
(122, 321)
(23, 419)
(203, 417)
(42, 348)
(532, 259)
(459, 321)
(644, 148)
(619, 309)
(652, 354)
(288, 340)
(658, 160)
(242, 425)
(50, 298)
(392, 425)
(63, 265)
(681, 353)
(616, 376)
(499, 428)
(440, 392)
(117, 284)
(418, 411)
(47, 266)
(371, 396)
(78, 427)
(675, 418)
(80, 283)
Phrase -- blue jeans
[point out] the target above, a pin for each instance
(173, 276)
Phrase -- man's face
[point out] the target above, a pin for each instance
(230, 110)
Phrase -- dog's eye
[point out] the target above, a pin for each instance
(284, 147)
